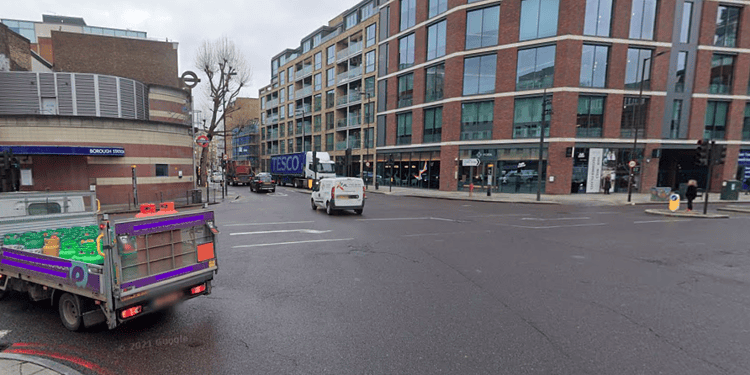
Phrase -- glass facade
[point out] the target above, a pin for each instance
(674, 125)
(410, 169)
(433, 125)
(370, 35)
(479, 74)
(634, 115)
(403, 128)
(434, 79)
(436, 40)
(722, 68)
(642, 19)
(687, 17)
(406, 51)
(536, 68)
(482, 27)
(590, 116)
(436, 7)
(405, 90)
(538, 19)
(408, 14)
(716, 120)
(594, 66)
(527, 118)
(598, 17)
(634, 69)
(679, 85)
(727, 19)
(746, 123)
(476, 120)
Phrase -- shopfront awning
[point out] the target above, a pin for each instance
(65, 150)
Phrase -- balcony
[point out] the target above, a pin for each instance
(353, 143)
(352, 98)
(305, 72)
(353, 121)
(354, 72)
(273, 119)
(347, 52)
(306, 109)
(301, 93)
(272, 103)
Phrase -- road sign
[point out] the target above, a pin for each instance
(674, 202)
(190, 79)
(202, 141)
(632, 164)
(487, 157)
(470, 162)
(226, 157)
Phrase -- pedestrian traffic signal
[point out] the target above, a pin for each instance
(720, 154)
(701, 153)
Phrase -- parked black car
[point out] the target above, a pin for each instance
(262, 181)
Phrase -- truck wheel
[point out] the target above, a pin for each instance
(312, 203)
(328, 208)
(3, 293)
(70, 311)
(358, 211)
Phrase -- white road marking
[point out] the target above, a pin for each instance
(559, 218)
(560, 226)
(3, 333)
(285, 222)
(396, 218)
(309, 231)
(660, 221)
(292, 243)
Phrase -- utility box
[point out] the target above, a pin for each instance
(730, 190)
(196, 196)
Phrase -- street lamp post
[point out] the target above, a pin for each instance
(367, 138)
(635, 129)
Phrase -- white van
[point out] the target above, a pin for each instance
(340, 193)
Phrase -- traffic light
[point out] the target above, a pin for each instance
(701, 153)
(720, 154)
(315, 161)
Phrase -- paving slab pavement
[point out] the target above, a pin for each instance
(19, 364)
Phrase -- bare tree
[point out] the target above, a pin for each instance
(227, 72)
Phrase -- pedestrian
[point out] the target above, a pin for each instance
(747, 183)
(691, 193)
(607, 184)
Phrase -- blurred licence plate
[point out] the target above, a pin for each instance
(347, 196)
(167, 300)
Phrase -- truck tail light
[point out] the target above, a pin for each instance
(131, 312)
(198, 289)
(333, 192)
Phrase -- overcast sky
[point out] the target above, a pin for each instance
(260, 28)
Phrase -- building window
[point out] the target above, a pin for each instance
(590, 116)
(351, 20)
(330, 77)
(634, 115)
(598, 17)
(642, 17)
(306, 46)
(282, 95)
(369, 112)
(318, 60)
(538, 18)
(330, 99)
(716, 120)
(436, 40)
(403, 129)
(436, 7)
(282, 112)
(317, 102)
(726, 26)
(370, 87)
(434, 79)
(329, 142)
(479, 74)
(290, 90)
(317, 123)
(634, 69)
(674, 126)
(162, 170)
(746, 123)
(282, 130)
(433, 125)
(290, 73)
(282, 78)
(476, 120)
(722, 67)
(281, 147)
(331, 54)
(594, 66)
(482, 27)
(405, 90)
(527, 118)
(330, 123)
(536, 68)
(370, 33)
(687, 16)
(679, 85)
(406, 51)
(408, 14)
(370, 61)
(318, 81)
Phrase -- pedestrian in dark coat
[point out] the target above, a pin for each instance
(607, 184)
(691, 193)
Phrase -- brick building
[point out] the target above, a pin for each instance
(458, 79)
(85, 128)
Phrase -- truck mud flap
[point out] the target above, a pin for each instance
(93, 317)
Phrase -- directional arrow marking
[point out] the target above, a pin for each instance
(4, 333)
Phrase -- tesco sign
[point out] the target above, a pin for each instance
(293, 163)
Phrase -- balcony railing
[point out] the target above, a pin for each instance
(351, 50)
(306, 109)
(301, 93)
(351, 121)
(272, 103)
(306, 71)
(354, 72)
(272, 119)
(353, 143)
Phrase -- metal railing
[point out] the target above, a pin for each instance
(303, 92)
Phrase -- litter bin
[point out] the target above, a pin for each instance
(196, 196)
(682, 189)
(730, 190)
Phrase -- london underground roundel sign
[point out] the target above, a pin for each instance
(202, 141)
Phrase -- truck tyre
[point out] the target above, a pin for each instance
(70, 311)
(312, 203)
(328, 208)
(358, 211)
(3, 293)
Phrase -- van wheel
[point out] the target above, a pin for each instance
(312, 203)
(70, 311)
(358, 211)
(328, 208)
